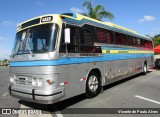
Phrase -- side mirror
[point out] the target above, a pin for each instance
(67, 35)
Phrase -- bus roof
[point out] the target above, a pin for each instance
(81, 20)
(109, 25)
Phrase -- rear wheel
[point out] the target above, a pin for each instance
(93, 86)
(145, 68)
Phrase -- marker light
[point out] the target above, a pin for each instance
(49, 82)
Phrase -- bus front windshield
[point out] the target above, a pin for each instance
(36, 39)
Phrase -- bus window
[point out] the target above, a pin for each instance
(131, 41)
(145, 43)
(134, 41)
(124, 40)
(104, 36)
(150, 44)
(141, 43)
(72, 47)
(86, 43)
(101, 36)
(138, 42)
(118, 38)
(121, 39)
(41, 44)
(92, 30)
(108, 37)
(88, 38)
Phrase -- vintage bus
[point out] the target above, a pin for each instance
(58, 56)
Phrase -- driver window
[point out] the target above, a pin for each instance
(72, 47)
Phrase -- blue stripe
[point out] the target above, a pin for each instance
(117, 48)
(79, 60)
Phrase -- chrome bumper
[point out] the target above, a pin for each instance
(37, 96)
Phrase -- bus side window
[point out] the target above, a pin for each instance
(138, 42)
(150, 44)
(131, 41)
(141, 43)
(123, 39)
(145, 43)
(100, 35)
(108, 36)
(104, 36)
(134, 41)
(118, 38)
(86, 43)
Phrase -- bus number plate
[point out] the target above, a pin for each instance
(22, 80)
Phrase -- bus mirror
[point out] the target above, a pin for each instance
(67, 35)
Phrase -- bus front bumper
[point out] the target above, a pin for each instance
(37, 96)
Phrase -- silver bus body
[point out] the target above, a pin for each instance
(64, 75)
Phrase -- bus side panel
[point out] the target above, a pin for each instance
(110, 70)
(74, 74)
(121, 69)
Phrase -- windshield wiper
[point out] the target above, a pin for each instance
(27, 43)
(23, 44)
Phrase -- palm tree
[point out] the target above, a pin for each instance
(98, 12)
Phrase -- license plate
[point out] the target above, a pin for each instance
(22, 80)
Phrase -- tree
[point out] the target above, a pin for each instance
(98, 12)
(5, 62)
(156, 40)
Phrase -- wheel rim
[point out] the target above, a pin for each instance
(93, 83)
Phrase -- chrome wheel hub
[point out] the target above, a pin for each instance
(93, 83)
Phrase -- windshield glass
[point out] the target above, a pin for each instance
(36, 39)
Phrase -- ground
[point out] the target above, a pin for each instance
(132, 94)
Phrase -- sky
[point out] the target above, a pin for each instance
(140, 15)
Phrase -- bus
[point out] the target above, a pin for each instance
(59, 56)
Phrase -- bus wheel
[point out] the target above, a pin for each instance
(144, 68)
(93, 86)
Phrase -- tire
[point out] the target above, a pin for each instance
(145, 69)
(93, 86)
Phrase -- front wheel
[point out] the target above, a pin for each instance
(144, 69)
(93, 86)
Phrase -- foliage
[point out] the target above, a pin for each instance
(4, 62)
(98, 12)
(156, 40)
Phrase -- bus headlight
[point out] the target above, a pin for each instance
(40, 82)
(37, 82)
